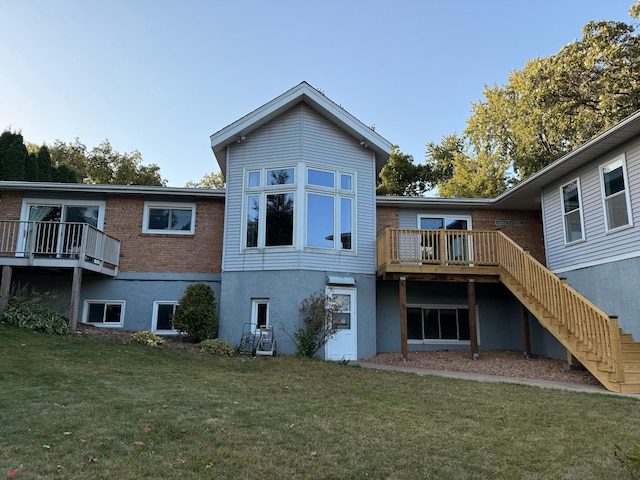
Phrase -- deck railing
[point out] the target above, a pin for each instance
(58, 240)
(590, 326)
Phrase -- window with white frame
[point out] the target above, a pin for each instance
(162, 317)
(438, 324)
(615, 194)
(330, 209)
(170, 218)
(105, 313)
(572, 211)
(269, 206)
(259, 312)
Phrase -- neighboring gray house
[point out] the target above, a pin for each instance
(301, 218)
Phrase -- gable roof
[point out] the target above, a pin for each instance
(308, 95)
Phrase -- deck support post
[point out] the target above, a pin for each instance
(5, 286)
(473, 326)
(526, 334)
(403, 317)
(74, 312)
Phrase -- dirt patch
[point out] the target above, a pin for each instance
(504, 363)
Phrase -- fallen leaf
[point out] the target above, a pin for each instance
(146, 429)
(313, 454)
(138, 443)
(224, 429)
(66, 434)
(46, 446)
(93, 460)
(12, 473)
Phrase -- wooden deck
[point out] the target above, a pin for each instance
(58, 245)
(591, 336)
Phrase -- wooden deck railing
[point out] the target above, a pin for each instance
(590, 326)
(32, 241)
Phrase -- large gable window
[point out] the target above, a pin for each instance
(270, 207)
(330, 204)
(171, 218)
(572, 212)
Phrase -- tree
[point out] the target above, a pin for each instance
(547, 109)
(213, 180)
(104, 165)
(13, 156)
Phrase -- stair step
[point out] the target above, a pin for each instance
(629, 387)
(630, 347)
(629, 356)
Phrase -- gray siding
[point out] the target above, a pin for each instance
(300, 135)
(598, 245)
(285, 290)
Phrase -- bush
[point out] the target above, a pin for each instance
(147, 338)
(196, 314)
(316, 330)
(32, 310)
(216, 346)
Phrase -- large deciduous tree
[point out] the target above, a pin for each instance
(547, 109)
(213, 180)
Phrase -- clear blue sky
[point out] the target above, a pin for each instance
(160, 76)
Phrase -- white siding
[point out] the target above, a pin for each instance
(301, 135)
(598, 245)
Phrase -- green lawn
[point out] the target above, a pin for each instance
(74, 408)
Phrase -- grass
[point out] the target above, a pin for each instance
(74, 408)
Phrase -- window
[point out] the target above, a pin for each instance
(572, 211)
(259, 312)
(329, 220)
(270, 208)
(104, 313)
(615, 195)
(171, 218)
(162, 316)
(438, 324)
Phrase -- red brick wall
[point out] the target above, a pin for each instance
(144, 252)
(386, 217)
(10, 205)
(529, 235)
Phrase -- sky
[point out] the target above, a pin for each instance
(161, 76)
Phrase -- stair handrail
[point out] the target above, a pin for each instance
(590, 325)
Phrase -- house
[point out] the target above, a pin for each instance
(548, 267)
(121, 256)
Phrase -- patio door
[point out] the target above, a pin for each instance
(457, 248)
(49, 235)
(343, 345)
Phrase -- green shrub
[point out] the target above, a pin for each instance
(30, 310)
(147, 338)
(216, 346)
(196, 314)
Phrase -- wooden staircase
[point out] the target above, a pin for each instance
(592, 337)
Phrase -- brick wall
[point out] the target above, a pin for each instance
(529, 235)
(143, 252)
(10, 205)
(386, 217)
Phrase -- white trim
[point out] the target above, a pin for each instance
(564, 214)
(62, 202)
(154, 318)
(85, 312)
(170, 206)
(595, 263)
(353, 330)
(444, 218)
(623, 160)
(255, 304)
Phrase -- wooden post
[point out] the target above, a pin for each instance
(74, 313)
(5, 286)
(526, 334)
(403, 318)
(442, 246)
(473, 327)
(616, 350)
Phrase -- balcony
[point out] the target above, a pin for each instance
(58, 244)
(408, 252)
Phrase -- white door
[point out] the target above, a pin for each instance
(343, 345)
